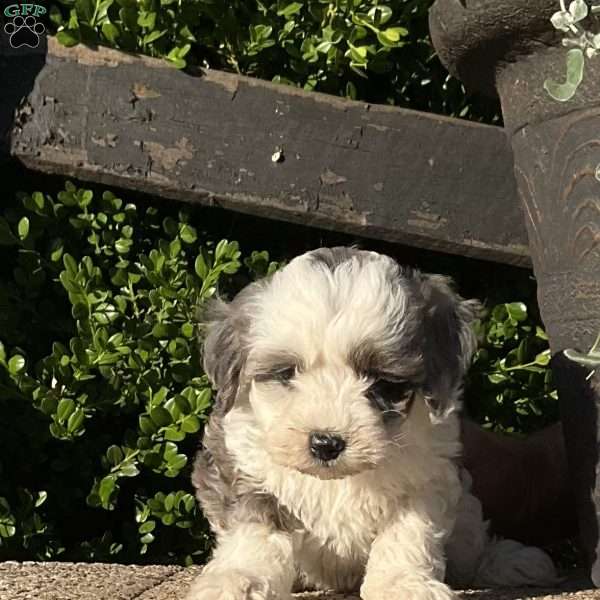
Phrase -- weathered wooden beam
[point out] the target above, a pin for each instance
(275, 151)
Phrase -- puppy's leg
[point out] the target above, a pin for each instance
(507, 563)
(407, 561)
(468, 540)
(466, 544)
(252, 561)
(477, 559)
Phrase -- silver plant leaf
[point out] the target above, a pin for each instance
(588, 360)
(561, 20)
(562, 92)
(578, 10)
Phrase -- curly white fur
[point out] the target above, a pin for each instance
(392, 515)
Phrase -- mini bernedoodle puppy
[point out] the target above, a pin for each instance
(332, 457)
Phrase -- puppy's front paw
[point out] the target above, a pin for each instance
(231, 585)
(406, 588)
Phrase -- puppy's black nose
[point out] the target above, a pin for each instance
(326, 446)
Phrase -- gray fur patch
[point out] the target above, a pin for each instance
(332, 258)
(449, 339)
(225, 345)
(226, 495)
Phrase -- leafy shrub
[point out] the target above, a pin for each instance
(99, 429)
(509, 388)
(102, 395)
(362, 49)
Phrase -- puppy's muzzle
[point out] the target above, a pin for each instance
(326, 446)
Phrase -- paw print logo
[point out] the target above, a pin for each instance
(24, 31)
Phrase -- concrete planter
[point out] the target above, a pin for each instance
(509, 48)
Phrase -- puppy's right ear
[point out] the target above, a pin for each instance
(224, 352)
(449, 341)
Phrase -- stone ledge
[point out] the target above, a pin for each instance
(69, 581)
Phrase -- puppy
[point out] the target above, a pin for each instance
(331, 458)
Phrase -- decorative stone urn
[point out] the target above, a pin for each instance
(510, 48)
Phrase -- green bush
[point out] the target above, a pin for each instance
(362, 49)
(509, 388)
(101, 391)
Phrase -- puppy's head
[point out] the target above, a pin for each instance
(332, 352)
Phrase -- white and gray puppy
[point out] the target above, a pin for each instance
(331, 459)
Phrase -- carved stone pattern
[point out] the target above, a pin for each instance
(556, 164)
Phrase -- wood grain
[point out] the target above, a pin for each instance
(376, 171)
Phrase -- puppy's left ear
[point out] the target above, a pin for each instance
(449, 342)
(224, 352)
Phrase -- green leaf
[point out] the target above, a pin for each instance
(290, 9)
(189, 502)
(168, 519)
(160, 416)
(169, 502)
(517, 311)
(114, 455)
(586, 360)
(49, 405)
(176, 56)
(129, 470)
(380, 14)
(161, 331)
(190, 424)
(68, 37)
(169, 226)
(16, 364)
(70, 264)
(23, 228)
(65, 409)
(200, 267)
(188, 234)
(84, 197)
(543, 358)
(358, 53)
(147, 527)
(111, 32)
(56, 249)
(85, 10)
(75, 420)
(106, 488)
(147, 19)
(562, 92)
(38, 200)
(221, 250)
(123, 245)
(7, 530)
(41, 498)
(579, 10)
(391, 36)
(174, 435)
(177, 462)
(153, 36)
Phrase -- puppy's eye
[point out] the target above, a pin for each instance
(283, 374)
(391, 391)
(286, 374)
